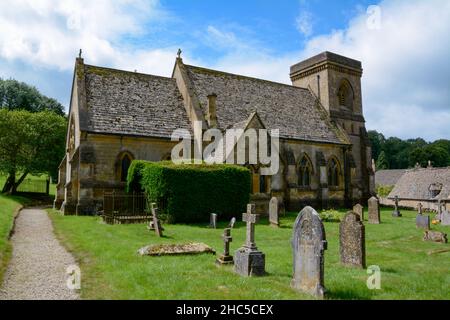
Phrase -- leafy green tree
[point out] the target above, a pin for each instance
(382, 162)
(418, 155)
(377, 140)
(15, 95)
(438, 156)
(30, 143)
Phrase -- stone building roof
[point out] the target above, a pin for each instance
(416, 184)
(292, 110)
(130, 103)
(388, 177)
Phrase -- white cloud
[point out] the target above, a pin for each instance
(304, 23)
(50, 32)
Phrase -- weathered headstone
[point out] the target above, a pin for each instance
(274, 212)
(352, 241)
(308, 244)
(156, 222)
(420, 208)
(226, 258)
(213, 221)
(435, 236)
(232, 222)
(423, 222)
(248, 260)
(445, 218)
(359, 210)
(396, 212)
(374, 211)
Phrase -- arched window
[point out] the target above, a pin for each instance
(125, 165)
(304, 172)
(333, 173)
(345, 94)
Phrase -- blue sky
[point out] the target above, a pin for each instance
(403, 45)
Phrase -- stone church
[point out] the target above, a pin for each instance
(117, 116)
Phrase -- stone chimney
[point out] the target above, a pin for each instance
(212, 115)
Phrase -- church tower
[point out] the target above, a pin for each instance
(335, 80)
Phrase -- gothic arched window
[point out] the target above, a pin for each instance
(333, 173)
(345, 95)
(304, 172)
(123, 165)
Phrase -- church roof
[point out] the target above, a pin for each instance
(130, 103)
(388, 177)
(292, 110)
(417, 183)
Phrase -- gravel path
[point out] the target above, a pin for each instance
(37, 269)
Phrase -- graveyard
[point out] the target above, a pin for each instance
(111, 267)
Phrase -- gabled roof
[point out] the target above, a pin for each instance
(415, 184)
(130, 103)
(388, 177)
(292, 110)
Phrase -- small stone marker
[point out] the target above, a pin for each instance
(445, 218)
(226, 258)
(232, 222)
(352, 241)
(435, 236)
(359, 210)
(248, 260)
(274, 212)
(156, 222)
(396, 212)
(213, 221)
(423, 222)
(374, 211)
(420, 208)
(308, 244)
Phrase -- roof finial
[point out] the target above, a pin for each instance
(179, 53)
(79, 54)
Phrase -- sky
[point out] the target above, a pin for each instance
(403, 45)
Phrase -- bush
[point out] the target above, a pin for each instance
(383, 191)
(189, 193)
(330, 216)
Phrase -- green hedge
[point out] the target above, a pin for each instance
(189, 193)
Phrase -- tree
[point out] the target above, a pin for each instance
(382, 162)
(377, 140)
(15, 95)
(30, 143)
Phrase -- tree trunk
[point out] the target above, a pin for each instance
(17, 184)
(9, 183)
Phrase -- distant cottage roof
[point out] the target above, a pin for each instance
(388, 177)
(418, 184)
(130, 103)
(292, 110)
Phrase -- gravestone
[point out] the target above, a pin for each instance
(156, 221)
(396, 212)
(213, 220)
(359, 210)
(419, 208)
(423, 222)
(232, 222)
(435, 236)
(274, 212)
(374, 211)
(439, 211)
(248, 260)
(308, 244)
(352, 241)
(226, 258)
(445, 218)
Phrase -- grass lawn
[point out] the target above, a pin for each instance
(8, 207)
(111, 268)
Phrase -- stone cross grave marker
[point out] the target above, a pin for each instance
(226, 258)
(308, 244)
(420, 208)
(359, 210)
(248, 260)
(374, 211)
(213, 221)
(352, 241)
(396, 212)
(274, 211)
(156, 221)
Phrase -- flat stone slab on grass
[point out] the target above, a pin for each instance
(175, 249)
